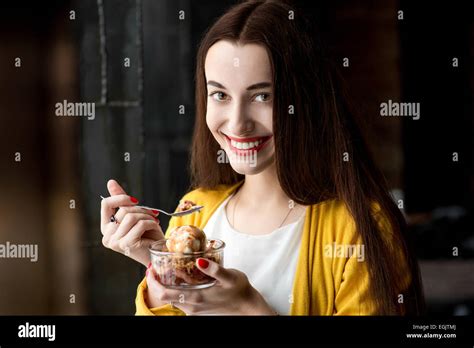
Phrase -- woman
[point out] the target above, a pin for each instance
(309, 225)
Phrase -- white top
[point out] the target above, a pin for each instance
(268, 260)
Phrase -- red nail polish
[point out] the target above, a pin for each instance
(156, 212)
(156, 219)
(133, 199)
(149, 265)
(203, 263)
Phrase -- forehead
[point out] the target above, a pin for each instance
(237, 66)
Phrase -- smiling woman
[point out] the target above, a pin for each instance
(263, 87)
(239, 106)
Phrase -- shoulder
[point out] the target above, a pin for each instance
(334, 219)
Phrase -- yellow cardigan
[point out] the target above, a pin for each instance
(324, 283)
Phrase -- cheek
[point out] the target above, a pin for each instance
(265, 116)
(215, 120)
(212, 119)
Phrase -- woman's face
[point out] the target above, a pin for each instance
(240, 104)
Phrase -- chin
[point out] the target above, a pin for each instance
(252, 167)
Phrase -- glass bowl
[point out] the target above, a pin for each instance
(179, 270)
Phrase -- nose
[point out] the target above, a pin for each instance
(240, 123)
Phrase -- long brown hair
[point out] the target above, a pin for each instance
(311, 143)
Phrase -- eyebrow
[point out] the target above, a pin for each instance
(249, 88)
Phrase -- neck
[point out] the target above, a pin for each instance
(263, 187)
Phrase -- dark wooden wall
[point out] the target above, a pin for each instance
(138, 113)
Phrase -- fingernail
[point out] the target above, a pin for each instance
(156, 219)
(203, 263)
(149, 265)
(156, 212)
(133, 199)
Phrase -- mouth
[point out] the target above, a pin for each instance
(245, 146)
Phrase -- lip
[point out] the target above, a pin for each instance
(256, 149)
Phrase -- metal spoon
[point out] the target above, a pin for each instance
(179, 213)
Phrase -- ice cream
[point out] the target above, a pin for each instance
(186, 239)
(175, 259)
(186, 205)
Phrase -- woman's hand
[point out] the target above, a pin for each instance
(135, 229)
(231, 295)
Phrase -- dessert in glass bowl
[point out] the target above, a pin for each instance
(174, 259)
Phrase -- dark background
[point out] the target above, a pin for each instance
(137, 112)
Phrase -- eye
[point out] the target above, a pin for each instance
(262, 97)
(219, 96)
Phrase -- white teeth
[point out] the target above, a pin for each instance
(245, 146)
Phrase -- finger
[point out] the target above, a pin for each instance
(162, 293)
(135, 236)
(123, 211)
(110, 204)
(186, 277)
(155, 289)
(129, 221)
(214, 270)
(185, 300)
(154, 234)
(114, 188)
(107, 232)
